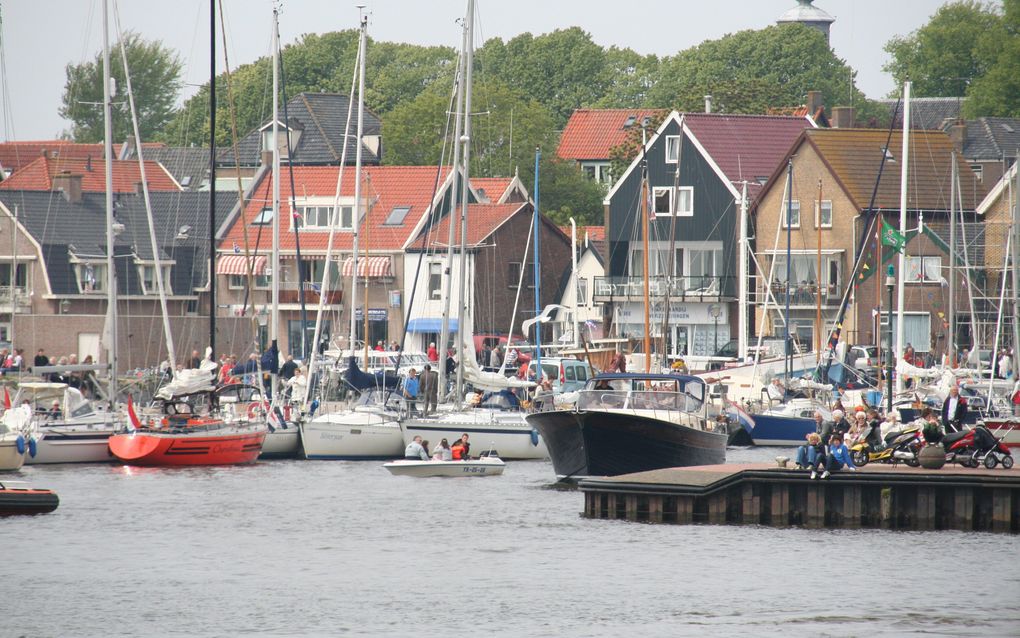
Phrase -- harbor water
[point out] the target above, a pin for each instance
(300, 548)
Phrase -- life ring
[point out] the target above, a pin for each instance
(257, 409)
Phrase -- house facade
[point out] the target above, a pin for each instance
(591, 134)
(693, 227)
(588, 317)
(834, 174)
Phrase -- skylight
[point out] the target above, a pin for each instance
(397, 215)
(264, 218)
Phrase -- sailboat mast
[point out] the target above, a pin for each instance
(951, 342)
(357, 181)
(462, 298)
(274, 315)
(212, 177)
(444, 333)
(536, 222)
(1015, 258)
(742, 282)
(644, 265)
(111, 267)
(904, 175)
(818, 280)
(789, 238)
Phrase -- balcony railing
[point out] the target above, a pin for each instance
(690, 288)
(16, 294)
(805, 294)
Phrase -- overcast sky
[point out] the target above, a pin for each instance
(42, 36)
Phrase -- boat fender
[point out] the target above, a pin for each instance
(20, 442)
(534, 437)
(33, 447)
(313, 407)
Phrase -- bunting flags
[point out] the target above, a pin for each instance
(893, 238)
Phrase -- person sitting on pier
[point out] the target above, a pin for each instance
(837, 456)
(839, 425)
(811, 455)
(415, 451)
(874, 436)
(858, 429)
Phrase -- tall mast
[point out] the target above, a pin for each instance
(111, 268)
(644, 258)
(818, 280)
(1015, 258)
(465, 186)
(536, 221)
(904, 175)
(274, 315)
(742, 265)
(951, 342)
(212, 177)
(788, 364)
(357, 179)
(458, 111)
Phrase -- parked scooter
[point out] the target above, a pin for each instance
(971, 448)
(900, 445)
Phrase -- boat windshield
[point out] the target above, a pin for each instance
(642, 394)
(502, 400)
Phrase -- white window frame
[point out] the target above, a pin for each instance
(142, 267)
(597, 171)
(345, 222)
(672, 143)
(688, 212)
(98, 273)
(237, 282)
(794, 214)
(921, 260)
(819, 222)
(435, 269)
(581, 295)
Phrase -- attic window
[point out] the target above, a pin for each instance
(761, 179)
(186, 181)
(889, 155)
(630, 121)
(397, 215)
(264, 218)
(1009, 129)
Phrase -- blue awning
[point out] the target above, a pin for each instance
(430, 324)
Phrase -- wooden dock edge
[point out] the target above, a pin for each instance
(782, 498)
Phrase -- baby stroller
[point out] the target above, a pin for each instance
(978, 445)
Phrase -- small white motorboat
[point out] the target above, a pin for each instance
(484, 466)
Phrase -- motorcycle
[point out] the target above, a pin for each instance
(971, 448)
(900, 445)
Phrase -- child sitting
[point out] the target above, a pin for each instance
(837, 456)
(811, 454)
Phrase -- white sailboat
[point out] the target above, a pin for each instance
(369, 429)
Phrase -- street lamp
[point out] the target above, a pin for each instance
(715, 310)
(890, 285)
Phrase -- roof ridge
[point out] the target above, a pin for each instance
(315, 120)
(989, 134)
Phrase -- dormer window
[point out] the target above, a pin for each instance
(91, 276)
(267, 138)
(318, 215)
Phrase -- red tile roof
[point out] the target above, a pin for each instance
(385, 187)
(16, 155)
(596, 233)
(494, 187)
(38, 175)
(591, 133)
(746, 147)
(483, 220)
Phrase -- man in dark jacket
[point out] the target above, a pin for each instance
(954, 410)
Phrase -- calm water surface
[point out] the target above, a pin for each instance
(327, 548)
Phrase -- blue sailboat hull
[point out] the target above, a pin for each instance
(780, 430)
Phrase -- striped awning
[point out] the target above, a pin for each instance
(369, 267)
(238, 265)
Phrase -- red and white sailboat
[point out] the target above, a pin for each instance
(183, 428)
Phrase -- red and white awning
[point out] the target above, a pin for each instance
(238, 265)
(369, 267)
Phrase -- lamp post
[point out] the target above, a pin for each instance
(715, 310)
(890, 285)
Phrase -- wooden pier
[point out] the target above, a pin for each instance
(876, 496)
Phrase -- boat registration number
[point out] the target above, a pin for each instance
(474, 470)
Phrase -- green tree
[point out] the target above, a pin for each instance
(958, 45)
(628, 78)
(563, 70)
(749, 71)
(565, 192)
(997, 92)
(155, 80)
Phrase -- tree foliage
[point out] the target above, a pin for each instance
(957, 46)
(155, 80)
(997, 92)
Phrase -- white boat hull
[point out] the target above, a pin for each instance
(282, 443)
(352, 436)
(75, 447)
(487, 466)
(505, 432)
(10, 458)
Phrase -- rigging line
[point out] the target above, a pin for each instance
(249, 261)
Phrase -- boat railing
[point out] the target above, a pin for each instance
(667, 400)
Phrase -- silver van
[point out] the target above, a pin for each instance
(566, 374)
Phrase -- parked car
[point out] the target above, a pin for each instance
(864, 359)
(566, 374)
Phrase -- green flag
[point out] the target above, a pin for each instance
(892, 237)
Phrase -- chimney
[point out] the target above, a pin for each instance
(958, 134)
(814, 102)
(69, 184)
(708, 104)
(843, 117)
